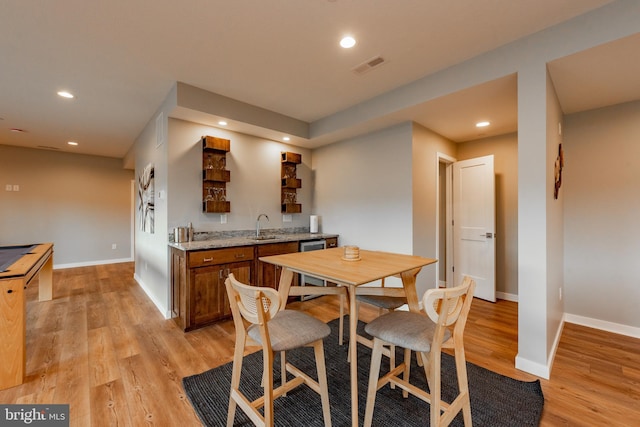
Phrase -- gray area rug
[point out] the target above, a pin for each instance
(496, 400)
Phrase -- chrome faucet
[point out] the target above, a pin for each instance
(258, 224)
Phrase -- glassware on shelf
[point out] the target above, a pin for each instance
(290, 197)
(209, 162)
(209, 197)
(222, 162)
(289, 171)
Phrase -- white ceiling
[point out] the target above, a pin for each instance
(121, 58)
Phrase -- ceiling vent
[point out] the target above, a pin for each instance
(369, 65)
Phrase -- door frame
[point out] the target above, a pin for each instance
(447, 160)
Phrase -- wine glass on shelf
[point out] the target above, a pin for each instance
(222, 163)
(209, 197)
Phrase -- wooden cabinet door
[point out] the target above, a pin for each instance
(268, 275)
(242, 272)
(209, 301)
(206, 305)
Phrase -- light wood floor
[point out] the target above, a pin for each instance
(102, 347)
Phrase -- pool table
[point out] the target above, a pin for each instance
(19, 265)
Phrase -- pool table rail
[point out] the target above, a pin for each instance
(13, 282)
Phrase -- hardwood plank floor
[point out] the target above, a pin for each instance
(102, 347)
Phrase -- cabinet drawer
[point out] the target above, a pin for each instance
(277, 248)
(220, 256)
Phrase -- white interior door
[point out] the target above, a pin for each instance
(474, 224)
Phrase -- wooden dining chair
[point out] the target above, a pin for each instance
(257, 315)
(443, 327)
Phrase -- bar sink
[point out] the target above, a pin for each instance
(266, 237)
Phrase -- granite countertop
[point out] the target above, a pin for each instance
(247, 240)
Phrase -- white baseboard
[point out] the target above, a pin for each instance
(539, 369)
(615, 328)
(91, 263)
(532, 367)
(507, 297)
(163, 310)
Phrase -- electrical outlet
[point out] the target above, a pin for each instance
(16, 187)
(223, 218)
(286, 218)
(8, 187)
(560, 289)
(114, 246)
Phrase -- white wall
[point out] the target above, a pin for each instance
(151, 256)
(601, 181)
(540, 228)
(80, 203)
(378, 192)
(555, 224)
(254, 164)
(425, 148)
(363, 190)
(532, 219)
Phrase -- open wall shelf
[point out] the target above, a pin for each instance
(215, 175)
(289, 182)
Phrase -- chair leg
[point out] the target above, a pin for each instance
(423, 360)
(432, 370)
(318, 349)
(283, 369)
(374, 372)
(463, 385)
(267, 377)
(407, 370)
(341, 322)
(392, 361)
(238, 357)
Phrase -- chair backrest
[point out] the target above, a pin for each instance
(450, 306)
(255, 304)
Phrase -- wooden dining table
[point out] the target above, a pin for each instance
(329, 264)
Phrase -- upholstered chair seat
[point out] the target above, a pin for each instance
(290, 329)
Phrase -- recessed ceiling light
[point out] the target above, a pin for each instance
(286, 138)
(66, 94)
(72, 143)
(348, 42)
(222, 123)
(482, 124)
